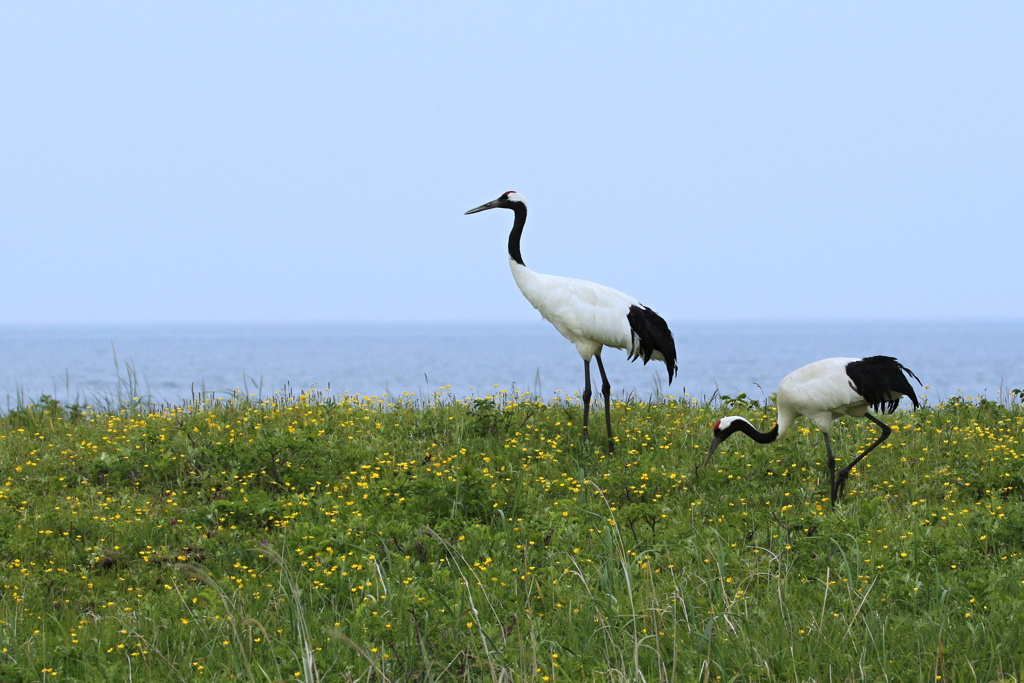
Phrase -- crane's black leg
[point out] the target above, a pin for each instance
(845, 472)
(606, 391)
(831, 469)
(586, 399)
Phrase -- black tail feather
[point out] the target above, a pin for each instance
(878, 378)
(650, 333)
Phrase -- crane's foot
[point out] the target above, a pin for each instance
(839, 486)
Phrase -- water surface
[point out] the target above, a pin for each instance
(169, 363)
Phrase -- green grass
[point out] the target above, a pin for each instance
(357, 539)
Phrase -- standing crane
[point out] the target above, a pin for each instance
(589, 315)
(823, 392)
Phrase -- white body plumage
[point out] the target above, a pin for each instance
(586, 313)
(820, 391)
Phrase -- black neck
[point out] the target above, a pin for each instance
(753, 433)
(517, 232)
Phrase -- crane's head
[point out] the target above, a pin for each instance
(509, 200)
(722, 430)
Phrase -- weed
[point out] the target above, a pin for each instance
(308, 537)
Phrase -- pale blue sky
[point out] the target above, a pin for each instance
(238, 162)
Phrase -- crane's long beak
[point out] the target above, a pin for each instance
(483, 207)
(711, 450)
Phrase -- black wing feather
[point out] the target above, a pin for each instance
(650, 333)
(880, 380)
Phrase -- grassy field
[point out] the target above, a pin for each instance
(356, 539)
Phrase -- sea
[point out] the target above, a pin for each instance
(100, 365)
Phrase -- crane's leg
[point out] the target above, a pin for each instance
(606, 391)
(831, 469)
(840, 484)
(586, 399)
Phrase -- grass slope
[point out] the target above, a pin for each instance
(311, 538)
